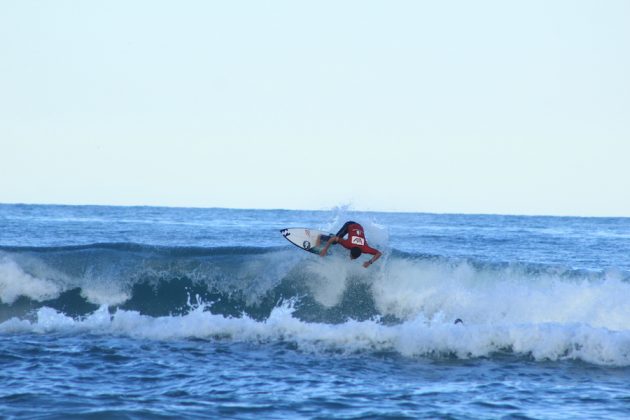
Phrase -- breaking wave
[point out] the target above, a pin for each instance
(406, 303)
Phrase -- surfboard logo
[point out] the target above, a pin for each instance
(306, 245)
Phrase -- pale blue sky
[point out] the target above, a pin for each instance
(519, 107)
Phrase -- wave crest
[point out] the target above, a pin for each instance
(159, 281)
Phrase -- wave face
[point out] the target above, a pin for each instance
(406, 303)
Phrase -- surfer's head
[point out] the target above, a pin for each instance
(355, 252)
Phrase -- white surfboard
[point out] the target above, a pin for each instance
(307, 239)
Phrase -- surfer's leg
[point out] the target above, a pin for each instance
(344, 229)
(322, 238)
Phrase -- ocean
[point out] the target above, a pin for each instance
(148, 312)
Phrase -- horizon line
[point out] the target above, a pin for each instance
(326, 209)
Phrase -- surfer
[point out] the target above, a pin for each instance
(356, 242)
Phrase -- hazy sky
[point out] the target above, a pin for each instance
(519, 107)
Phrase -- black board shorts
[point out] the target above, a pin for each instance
(344, 229)
(342, 232)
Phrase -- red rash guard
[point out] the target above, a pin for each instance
(356, 238)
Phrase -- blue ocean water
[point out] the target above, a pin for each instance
(144, 312)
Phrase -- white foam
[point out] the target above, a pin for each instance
(104, 294)
(32, 278)
(327, 279)
(14, 282)
(408, 288)
(416, 337)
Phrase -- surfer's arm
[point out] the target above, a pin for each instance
(333, 239)
(372, 260)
